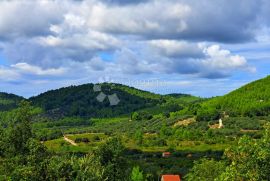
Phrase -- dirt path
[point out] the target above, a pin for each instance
(70, 141)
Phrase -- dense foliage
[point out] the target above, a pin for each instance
(82, 101)
(126, 141)
(248, 160)
(9, 101)
(250, 100)
(22, 157)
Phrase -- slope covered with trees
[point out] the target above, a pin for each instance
(250, 100)
(83, 100)
(130, 145)
(9, 101)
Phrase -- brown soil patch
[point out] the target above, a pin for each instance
(184, 122)
(214, 126)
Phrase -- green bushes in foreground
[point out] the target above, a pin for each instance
(22, 157)
(248, 160)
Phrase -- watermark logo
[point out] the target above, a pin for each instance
(113, 98)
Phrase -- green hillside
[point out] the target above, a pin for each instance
(252, 99)
(94, 129)
(187, 98)
(9, 101)
(83, 100)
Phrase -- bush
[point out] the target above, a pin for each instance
(204, 170)
(85, 140)
(96, 138)
(79, 140)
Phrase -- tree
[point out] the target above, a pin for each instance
(23, 156)
(166, 114)
(164, 131)
(143, 115)
(35, 167)
(248, 160)
(2, 141)
(207, 114)
(136, 174)
(88, 168)
(135, 116)
(19, 130)
(138, 137)
(205, 170)
(146, 115)
(110, 157)
(60, 168)
(37, 152)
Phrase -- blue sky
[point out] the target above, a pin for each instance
(205, 48)
(2, 60)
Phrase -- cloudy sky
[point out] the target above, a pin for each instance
(204, 47)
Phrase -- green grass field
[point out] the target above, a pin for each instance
(95, 139)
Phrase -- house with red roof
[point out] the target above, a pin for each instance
(166, 154)
(170, 178)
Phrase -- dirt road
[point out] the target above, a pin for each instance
(70, 141)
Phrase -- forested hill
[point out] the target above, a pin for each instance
(9, 101)
(87, 100)
(252, 99)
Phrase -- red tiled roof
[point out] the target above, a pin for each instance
(167, 153)
(171, 178)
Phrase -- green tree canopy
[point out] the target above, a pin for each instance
(136, 174)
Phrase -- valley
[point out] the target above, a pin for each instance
(70, 124)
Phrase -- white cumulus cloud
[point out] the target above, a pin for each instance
(35, 70)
